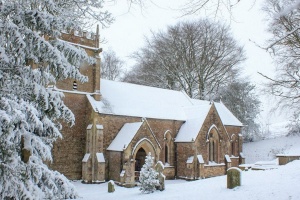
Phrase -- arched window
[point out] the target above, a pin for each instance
(168, 147)
(213, 145)
(234, 145)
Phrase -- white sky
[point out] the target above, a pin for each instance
(127, 33)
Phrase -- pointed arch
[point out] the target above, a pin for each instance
(213, 139)
(168, 145)
(147, 145)
(234, 145)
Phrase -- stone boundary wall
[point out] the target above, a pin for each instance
(214, 170)
(284, 159)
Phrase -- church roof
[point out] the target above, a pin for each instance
(125, 99)
(195, 119)
(124, 136)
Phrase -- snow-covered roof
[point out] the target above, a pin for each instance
(127, 99)
(124, 136)
(226, 116)
(195, 118)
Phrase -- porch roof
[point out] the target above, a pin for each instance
(124, 136)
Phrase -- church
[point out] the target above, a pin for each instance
(118, 124)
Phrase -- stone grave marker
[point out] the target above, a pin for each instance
(233, 177)
(111, 186)
(159, 167)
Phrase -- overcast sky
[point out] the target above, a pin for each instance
(127, 33)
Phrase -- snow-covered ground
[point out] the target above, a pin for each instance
(266, 150)
(276, 184)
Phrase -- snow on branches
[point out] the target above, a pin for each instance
(148, 176)
(31, 57)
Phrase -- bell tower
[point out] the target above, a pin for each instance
(90, 43)
(69, 151)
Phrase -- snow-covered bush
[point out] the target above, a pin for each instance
(31, 57)
(148, 176)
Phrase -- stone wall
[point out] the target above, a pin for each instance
(184, 151)
(235, 161)
(112, 124)
(284, 159)
(114, 165)
(169, 172)
(69, 151)
(214, 170)
(202, 143)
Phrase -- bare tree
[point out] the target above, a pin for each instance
(284, 20)
(111, 66)
(214, 6)
(196, 57)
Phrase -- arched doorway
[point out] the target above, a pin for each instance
(140, 159)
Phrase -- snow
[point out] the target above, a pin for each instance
(125, 136)
(190, 129)
(98, 126)
(125, 99)
(200, 159)
(227, 158)
(142, 101)
(83, 46)
(100, 157)
(226, 116)
(276, 184)
(120, 98)
(89, 126)
(266, 150)
(86, 157)
(190, 160)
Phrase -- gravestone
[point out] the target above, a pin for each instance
(159, 167)
(111, 186)
(233, 177)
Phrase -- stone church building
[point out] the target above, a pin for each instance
(118, 124)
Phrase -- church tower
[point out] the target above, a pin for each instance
(73, 152)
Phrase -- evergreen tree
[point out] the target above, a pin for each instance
(31, 57)
(148, 176)
(240, 98)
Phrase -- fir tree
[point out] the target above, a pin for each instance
(148, 176)
(31, 57)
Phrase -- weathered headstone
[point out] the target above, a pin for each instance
(159, 167)
(111, 186)
(233, 177)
